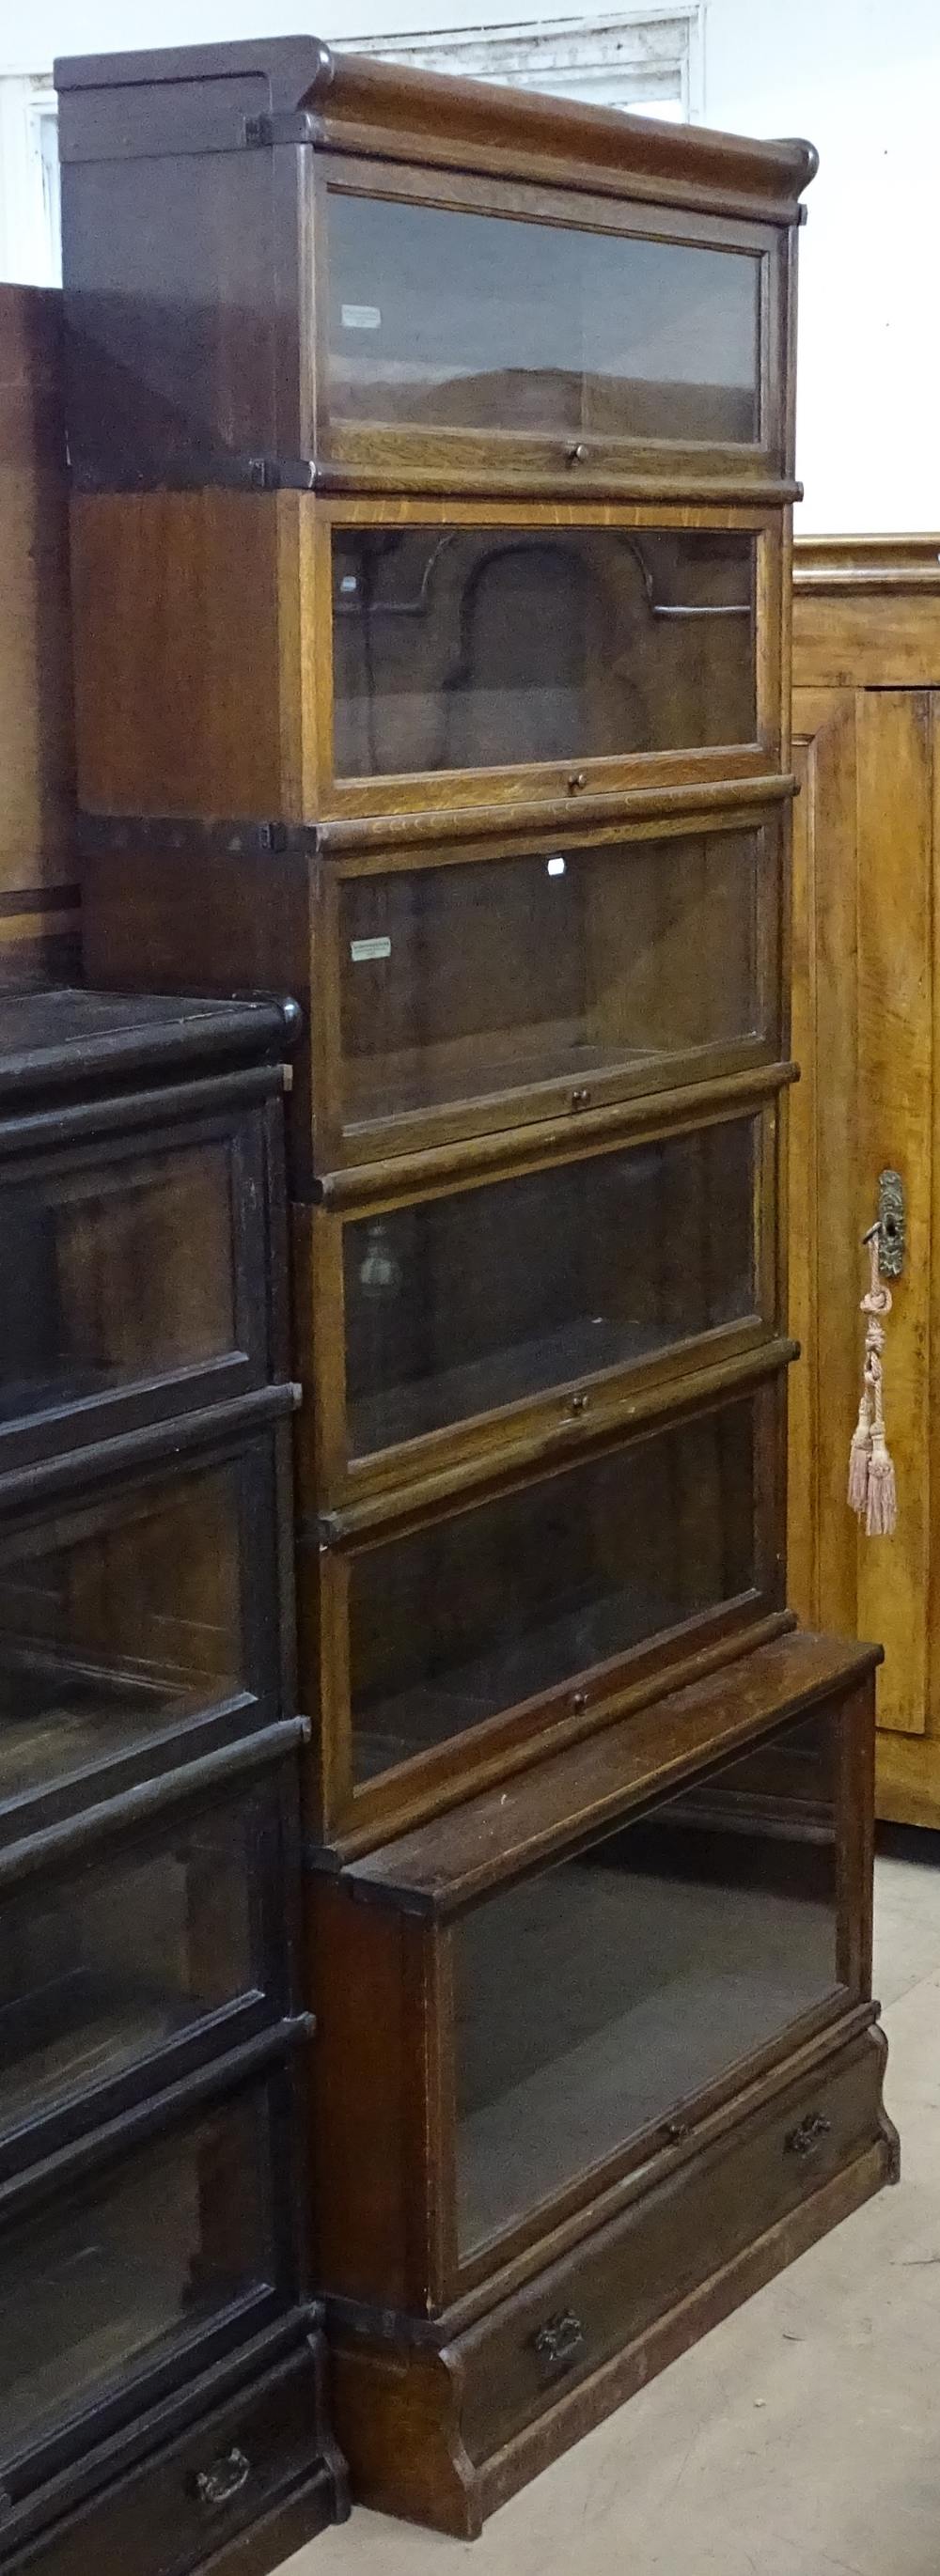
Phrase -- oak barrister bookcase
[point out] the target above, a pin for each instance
(433, 461)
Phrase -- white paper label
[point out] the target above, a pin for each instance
(361, 317)
(364, 951)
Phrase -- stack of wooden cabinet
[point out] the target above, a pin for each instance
(161, 2364)
(433, 461)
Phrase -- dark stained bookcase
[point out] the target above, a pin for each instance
(432, 453)
(161, 2356)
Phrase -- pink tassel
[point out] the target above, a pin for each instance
(859, 1456)
(872, 1491)
(881, 1516)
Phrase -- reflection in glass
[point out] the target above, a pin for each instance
(444, 319)
(98, 1285)
(107, 2283)
(469, 982)
(129, 1952)
(496, 1605)
(593, 2000)
(477, 648)
(462, 1303)
(116, 1621)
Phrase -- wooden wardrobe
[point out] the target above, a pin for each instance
(866, 995)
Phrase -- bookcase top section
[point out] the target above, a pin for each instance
(66, 1037)
(296, 89)
(574, 1795)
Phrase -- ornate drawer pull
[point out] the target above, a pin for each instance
(220, 2485)
(806, 2139)
(559, 2344)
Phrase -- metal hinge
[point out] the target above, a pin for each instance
(292, 126)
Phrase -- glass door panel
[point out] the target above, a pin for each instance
(99, 2288)
(99, 1288)
(464, 648)
(503, 1603)
(445, 319)
(118, 1621)
(611, 965)
(593, 2000)
(458, 1305)
(82, 2002)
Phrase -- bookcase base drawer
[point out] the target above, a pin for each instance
(242, 2488)
(444, 2432)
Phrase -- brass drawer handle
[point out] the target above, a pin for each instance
(577, 780)
(220, 2485)
(559, 2344)
(580, 1098)
(580, 1401)
(806, 2139)
(576, 454)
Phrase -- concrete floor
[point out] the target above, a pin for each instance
(802, 2437)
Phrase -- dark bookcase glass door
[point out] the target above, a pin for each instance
(593, 2001)
(107, 1966)
(110, 2281)
(118, 1620)
(99, 1286)
(460, 1304)
(503, 1603)
(445, 319)
(461, 648)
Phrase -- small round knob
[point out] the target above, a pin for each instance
(580, 1099)
(580, 1401)
(576, 454)
(579, 1700)
(577, 780)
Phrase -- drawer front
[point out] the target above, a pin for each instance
(607, 2293)
(180, 2505)
(134, 1282)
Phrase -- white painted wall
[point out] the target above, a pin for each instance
(861, 77)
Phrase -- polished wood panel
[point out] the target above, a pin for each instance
(867, 664)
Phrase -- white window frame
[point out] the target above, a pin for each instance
(644, 59)
(30, 228)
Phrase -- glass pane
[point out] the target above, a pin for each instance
(116, 1622)
(461, 1304)
(498, 1604)
(98, 1286)
(463, 983)
(80, 2002)
(593, 2000)
(130, 2265)
(478, 648)
(441, 319)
